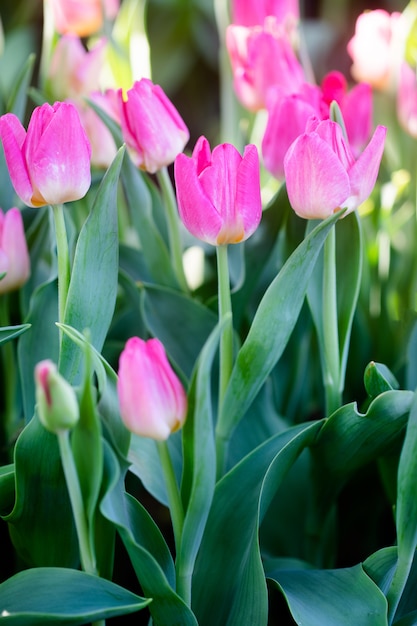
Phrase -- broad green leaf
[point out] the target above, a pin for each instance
(271, 328)
(340, 596)
(52, 595)
(199, 473)
(180, 323)
(139, 199)
(93, 287)
(229, 582)
(7, 488)
(146, 547)
(10, 332)
(41, 523)
(18, 97)
(40, 342)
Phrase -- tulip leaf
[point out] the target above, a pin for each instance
(93, 287)
(53, 595)
(10, 332)
(271, 328)
(40, 523)
(378, 378)
(340, 596)
(18, 97)
(229, 582)
(7, 488)
(148, 552)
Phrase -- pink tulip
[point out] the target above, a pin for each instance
(152, 399)
(261, 57)
(252, 12)
(322, 175)
(287, 118)
(355, 106)
(82, 17)
(218, 192)
(152, 128)
(373, 47)
(50, 163)
(14, 256)
(407, 99)
(103, 146)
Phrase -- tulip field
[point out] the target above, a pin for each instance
(208, 313)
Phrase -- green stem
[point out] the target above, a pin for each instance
(88, 562)
(173, 226)
(9, 377)
(331, 356)
(397, 586)
(63, 258)
(226, 349)
(174, 497)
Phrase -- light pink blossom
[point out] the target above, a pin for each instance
(81, 17)
(14, 255)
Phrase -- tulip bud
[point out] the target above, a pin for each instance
(14, 255)
(152, 399)
(56, 400)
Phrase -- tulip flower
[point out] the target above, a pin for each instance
(407, 99)
(152, 399)
(287, 119)
(322, 175)
(252, 12)
(14, 255)
(50, 163)
(373, 48)
(218, 192)
(82, 17)
(251, 51)
(152, 128)
(56, 400)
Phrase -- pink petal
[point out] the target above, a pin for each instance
(364, 172)
(248, 194)
(14, 246)
(13, 136)
(317, 183)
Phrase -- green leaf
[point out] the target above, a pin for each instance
(53, 595)
(7, 488)
(378, 378)
(146, 547)
(271, 328)
(10, 332)
(41, 524)
(341, 596)
(93, 287)
(180, 323)
(18, 97)
(229, 582)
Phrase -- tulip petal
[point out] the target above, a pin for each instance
(248, 194)
(317, 183)
(13, 136)
(60, 162)
(196, 210)
(14, 246)
(364, 172)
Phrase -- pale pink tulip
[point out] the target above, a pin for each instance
(50, 163)
(261, 57)
(252, 12)
(373, 48)
(218, 192)
(14, 255)
(152, 128)
(322, 175)
(152, 399)
(407, 99)
(82, 17)
(103, 146)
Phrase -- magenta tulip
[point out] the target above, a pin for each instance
(50, 163)
(252, 12)
(322, 175)
(218, 192)
(152, 399)
(14, 256)
(152, 128)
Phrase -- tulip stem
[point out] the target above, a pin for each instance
(62, 257)
(9, 379)
(331, 356)
(173, 226)
(174, 497)
(74, 490)
(226, 346)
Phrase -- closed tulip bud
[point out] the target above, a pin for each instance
(322, 175)
(152, 128)
(14, 255)
(152, 399)
(56, 400)
(219, 199)
(50, 163)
